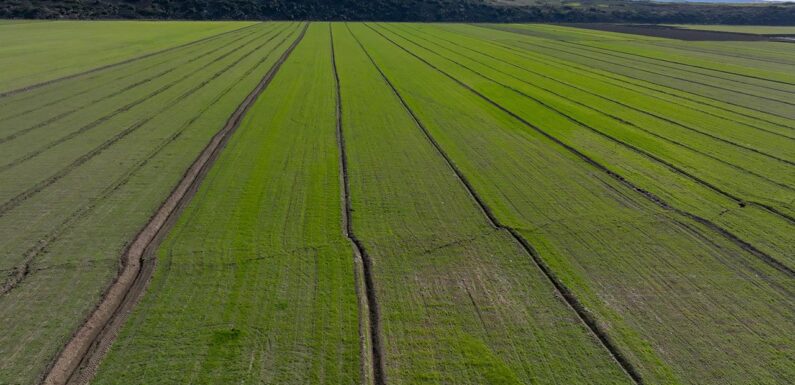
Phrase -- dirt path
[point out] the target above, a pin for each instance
(79, 359)
(372, 365)
(126, 61)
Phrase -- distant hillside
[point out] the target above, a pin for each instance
(406, 10)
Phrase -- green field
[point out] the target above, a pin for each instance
(401, 204)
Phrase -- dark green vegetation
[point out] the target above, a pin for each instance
(408, 10)
(415, 204)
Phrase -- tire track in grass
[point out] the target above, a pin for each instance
(38, 187)
(127, 61)
(120, 91)
(773, 262)
(126, 107)
(373, 311)
(640, 83)
(582, 313)
(24, 270)
(24, 100)
(649, 113)
(97, 333)
(740, 201)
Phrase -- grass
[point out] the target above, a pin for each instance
(77, 189)
(461, 301)
(532, 204)
(592, 229)
(275, 300)
(38, 52)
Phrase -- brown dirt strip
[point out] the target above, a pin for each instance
(125, 107)
(27, 194)
(600, 96)
(640, 68)
(120, 91)
(377, 355)
(24, 270)
(586, 71)
(773, 262)
(617, 118)
(582, 313)
(95, 336)
(669, 32)
(595, 75)
(101, 68)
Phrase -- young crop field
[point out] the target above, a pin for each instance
(393, 203)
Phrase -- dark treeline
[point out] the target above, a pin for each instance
(401, 10)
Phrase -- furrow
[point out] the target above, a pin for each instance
(377, 369)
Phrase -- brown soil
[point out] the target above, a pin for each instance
(78, 360)
(670, 32)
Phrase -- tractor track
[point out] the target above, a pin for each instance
(118, 92)
(127, 61)
(676, 169)
(378, 368)
(126, 107)
(582, 313)
(24, 270)
(773, 262)
(90, 342)
(38, 187)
